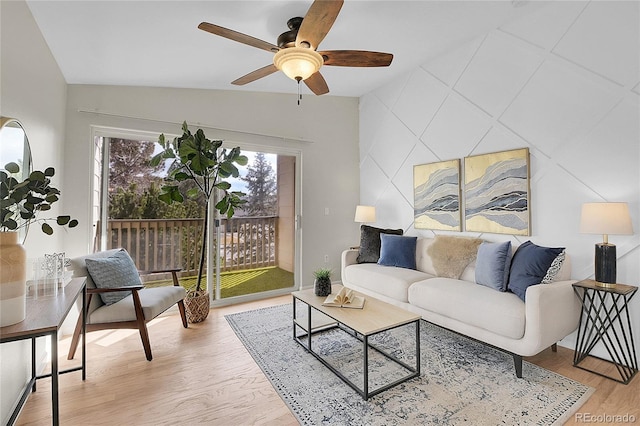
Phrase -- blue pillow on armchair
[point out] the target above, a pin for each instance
(529, 266)
(117, 270)
(398, 250)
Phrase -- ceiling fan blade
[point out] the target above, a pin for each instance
(255, 75)
(317, 22)
(356, 58)
(317, 84)
(239, 37)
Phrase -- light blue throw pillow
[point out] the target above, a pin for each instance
(492, 265)
(397, 250)
(117, 270)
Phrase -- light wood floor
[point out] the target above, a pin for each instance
(204, 375)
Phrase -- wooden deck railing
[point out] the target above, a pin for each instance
(245, 242)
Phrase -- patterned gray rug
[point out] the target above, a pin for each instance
(461, 382)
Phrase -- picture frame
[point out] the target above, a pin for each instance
(497, 192)
(436, 189)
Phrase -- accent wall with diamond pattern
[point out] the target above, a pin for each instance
(563, 81)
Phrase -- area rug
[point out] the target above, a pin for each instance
(461, 382)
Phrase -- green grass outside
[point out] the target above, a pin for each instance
(239, 283)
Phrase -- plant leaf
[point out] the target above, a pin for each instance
(12, 167)
(37, 176)
(47, 229)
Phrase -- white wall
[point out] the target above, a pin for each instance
(324, 129)
(33, 91)
(563, 81)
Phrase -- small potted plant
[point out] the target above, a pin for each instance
(322, 283)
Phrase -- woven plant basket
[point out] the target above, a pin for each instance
(197, 306)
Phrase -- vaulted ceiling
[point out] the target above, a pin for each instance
(157, 43)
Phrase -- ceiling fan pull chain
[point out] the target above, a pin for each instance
(299, 94)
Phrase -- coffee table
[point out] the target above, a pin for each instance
(375, 317)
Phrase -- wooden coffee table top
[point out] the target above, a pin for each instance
(374, 317)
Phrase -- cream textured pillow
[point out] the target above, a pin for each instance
(450, 255)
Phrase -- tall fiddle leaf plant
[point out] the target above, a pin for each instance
(22, 202)
(206, 164)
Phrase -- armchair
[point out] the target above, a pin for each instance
(135, 305)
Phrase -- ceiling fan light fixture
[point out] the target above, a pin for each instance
(298, 63)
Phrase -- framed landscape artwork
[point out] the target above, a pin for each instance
(436, 189)
(497, 192)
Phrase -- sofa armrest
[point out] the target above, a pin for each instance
(349, 257)
(552, 312)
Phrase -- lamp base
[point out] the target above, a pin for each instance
(605, 264)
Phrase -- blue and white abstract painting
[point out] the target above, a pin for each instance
(437, 196)
(497, 192)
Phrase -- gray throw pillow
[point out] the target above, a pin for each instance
(492, 265)
(369, 251)
(114, 271)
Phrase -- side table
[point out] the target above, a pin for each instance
(45, 316)
(605, 318)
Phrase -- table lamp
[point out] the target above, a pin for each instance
(365, 214)
(605, 219)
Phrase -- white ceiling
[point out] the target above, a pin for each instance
(157, 43)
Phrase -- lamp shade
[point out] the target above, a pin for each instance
(298, 63)
(605, 219)
(365, 214)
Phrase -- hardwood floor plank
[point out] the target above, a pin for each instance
(204, 375)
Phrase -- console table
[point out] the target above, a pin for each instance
(605, 318)
(45, 315)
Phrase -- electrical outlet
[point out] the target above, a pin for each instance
(326, 258)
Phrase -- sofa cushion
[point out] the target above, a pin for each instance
(530, 265)
(502, 313)
(398, 250)
(451, 255)
(492, 265)
(389, 281)
(117, 270)
(369, 251)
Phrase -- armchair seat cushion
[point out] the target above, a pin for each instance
(154, 301)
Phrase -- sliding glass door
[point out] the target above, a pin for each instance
(251, 255)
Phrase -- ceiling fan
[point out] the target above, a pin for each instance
(296, 52)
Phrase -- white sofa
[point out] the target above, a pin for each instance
(500, 319)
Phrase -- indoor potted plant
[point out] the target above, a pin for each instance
(322, 283)
(21, 203)
(206, 165)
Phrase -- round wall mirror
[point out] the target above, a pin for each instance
(14, 148)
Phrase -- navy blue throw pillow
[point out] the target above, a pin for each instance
(529, 266)
(398, 250)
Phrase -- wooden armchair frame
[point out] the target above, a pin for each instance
(139, 323)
